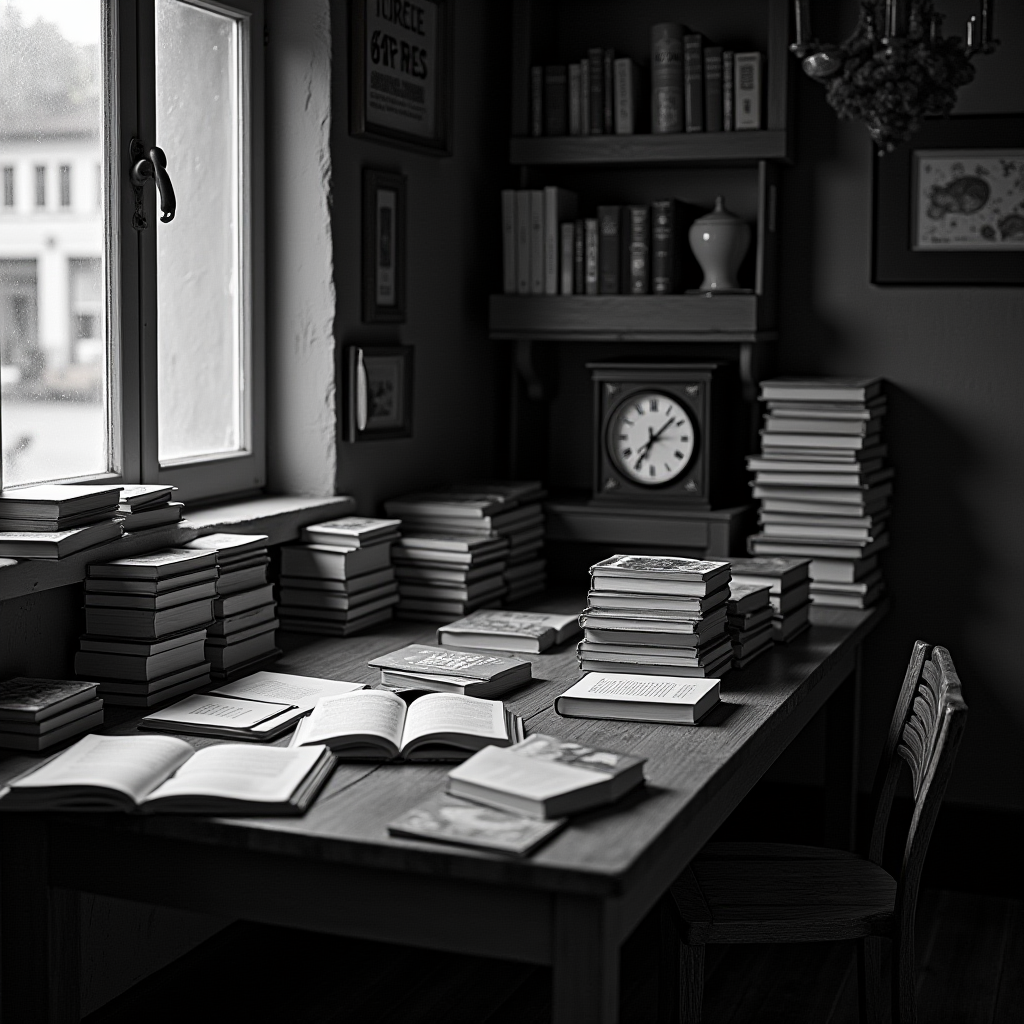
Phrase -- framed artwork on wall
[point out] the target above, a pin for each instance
(400, 62)
(378, 392)
(383, 247)
(949, 205)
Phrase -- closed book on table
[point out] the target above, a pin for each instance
(595, 68)
(567, 258)
(575, 98)
(728, 91)
(452, 671)
(638, 221)
(608, 84)
(559, 206)
(627, 93)
(747, 77)
(536, 241)
(523, 242)
(712, 88)
(693, 81)
(536, 100)
(26, 701)
(609, 249)
(666, 78)
(556, 100)
(639, 697)
(508, 240)
(590, 256)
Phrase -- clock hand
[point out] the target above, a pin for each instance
(642, 453)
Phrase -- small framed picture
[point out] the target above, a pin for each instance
(383, 247)
(949, 205)
(400, 62)
(379, 392)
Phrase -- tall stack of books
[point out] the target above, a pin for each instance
(143, 506)
(146, 620)
(824, 485)
(789, 590)
(36, 714)
(52, 521)
(242, 635)
(750, 621)
(657, 615)
(340, 580)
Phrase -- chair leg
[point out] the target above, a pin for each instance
(691, 983)
(870, 958)
(904, 994)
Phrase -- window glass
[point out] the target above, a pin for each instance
(53, 351)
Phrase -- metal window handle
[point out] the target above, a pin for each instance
(153, 165)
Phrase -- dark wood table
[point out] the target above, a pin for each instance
(571, 905)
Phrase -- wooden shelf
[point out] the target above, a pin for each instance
(652, 150)
(630, 317)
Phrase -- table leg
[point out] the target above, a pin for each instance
(585, 971)
(842, 749)
(40, 931)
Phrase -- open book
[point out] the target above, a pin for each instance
(160, 773)
(378, 725)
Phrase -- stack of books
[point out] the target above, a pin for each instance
(146, 620)
(824, 485)
(52, 521)
(242, 635)
(749, 613)
(789, 590)
(36, 714)
(143, 506)
(665, 614)
(340, 580)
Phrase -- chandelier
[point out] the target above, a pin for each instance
(896, 68)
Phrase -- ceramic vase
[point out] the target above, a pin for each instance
(719, 241)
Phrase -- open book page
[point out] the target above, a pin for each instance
(238, 771)
(133, 765)
(362, 713)
(283, 688)
(446, 713)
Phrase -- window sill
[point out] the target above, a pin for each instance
(280, 517)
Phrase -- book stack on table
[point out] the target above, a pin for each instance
(146, 619)
(340, 580)
(143, 506)
(36, 714)
(749, 613)
(824, 485)
(53, 521)
(242, 635)
(789, 590)
(664, 613)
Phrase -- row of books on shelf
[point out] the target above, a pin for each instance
(691, 86)
(636, 249)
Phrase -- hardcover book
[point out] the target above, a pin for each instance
(666, 78)
(566, 258)
(693, 81)
(536, 241)
(236, 718)
(324, 560)
(590, 256)
(26, 700)
(636, 697)
(522, 242)
(777, 574)
(638, 251)
(609, 249)
(536, 101)
(453, 671)
(608, 84)
(352, 532)
(556, 100)
(713, 88)
(53, 545)
(575, 99)
(728, 91)
(159, 565)
(579, 258)
(747, 91)
(663, 567)
(595, 70)
(502, 630)
(559, 206)
(627, 93)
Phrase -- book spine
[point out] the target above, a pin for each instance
(693, 81)
(574, 99)
(595, 64)
(567, 257)
(579, 259)
(584, 97)
(590, 247)
(536, 241)
(559, 205)
(625, 96)
(728, 104)
(608, 85)
(508, 240)
(537, 100)
(639, 250)
(747, 91)
(713, 88)
(663, 270)
(556, 112)
(609, 249)
(523, 242)
(666, 78)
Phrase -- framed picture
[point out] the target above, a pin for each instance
(383, 247)
(949, 205)
(379, 392)
(400, 62)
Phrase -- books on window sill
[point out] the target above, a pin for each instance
(639, 697)
(504, 630)
(378, 725)
(36, 714)
(55, 508)
(143, 506)
(162, 774)
(474, 673)
(749, 614)
(57, 544)
(341, 580)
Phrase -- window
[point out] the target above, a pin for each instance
(8, 187)
(133, 350)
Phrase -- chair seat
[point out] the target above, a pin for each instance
(775, 892)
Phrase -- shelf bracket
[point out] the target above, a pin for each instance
(528, 370)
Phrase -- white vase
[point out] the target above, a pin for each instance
(719, 241)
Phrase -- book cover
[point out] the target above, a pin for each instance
(666, 567)
(608, 94)
(638, 250)
(728, 92)
(584, 97)
(575, 98)
(556, 100)
(536, 241)
(559, 205)
(508, 240)
(445, 661)
(821, 389)
(713, 88)
(590, 251)
(595, 69)
(156, 565)
(537, 101)
(693, 81)
(523, 242)
(30, 700)
(609, 249)
(566, 257)
(666, 78)
(579, 258)
(747, 91)
(627, 92)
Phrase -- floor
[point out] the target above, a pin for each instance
(970, 951)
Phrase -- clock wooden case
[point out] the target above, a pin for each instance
(667, 434)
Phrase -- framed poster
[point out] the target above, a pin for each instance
(378, 392)
(383, 247)
(401, 79)
(949, 205)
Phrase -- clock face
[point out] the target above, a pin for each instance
(651, 438)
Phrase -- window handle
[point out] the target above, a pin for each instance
(153, 165)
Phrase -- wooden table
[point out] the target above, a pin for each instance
(571, 905)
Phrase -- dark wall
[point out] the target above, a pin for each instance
(953, 357)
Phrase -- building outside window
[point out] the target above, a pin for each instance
(9, 187)
(65, 185)
(40, 186)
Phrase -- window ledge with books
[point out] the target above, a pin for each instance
(281, 517)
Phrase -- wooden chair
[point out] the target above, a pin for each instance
(768, 892)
